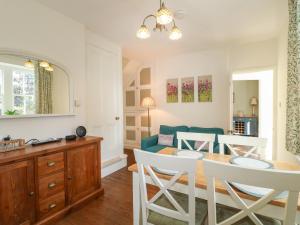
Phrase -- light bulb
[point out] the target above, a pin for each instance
(29, 64)
(164, 16)
(175, 33)
(143, 32)
(44, 64)
(49, 68)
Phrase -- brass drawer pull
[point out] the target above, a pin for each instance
(51, 185)
(31, 193)
(51, 163)
(52, 206)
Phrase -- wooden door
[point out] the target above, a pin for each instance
(17, 195)
(83, 171)
(104, 98)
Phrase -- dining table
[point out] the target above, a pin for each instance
(274, 209)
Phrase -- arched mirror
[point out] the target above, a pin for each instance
(30, 86)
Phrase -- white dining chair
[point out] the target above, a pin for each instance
(203, 138)
(227, 173)
(257, 145)
(167, 206)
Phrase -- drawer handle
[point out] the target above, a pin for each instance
(31, 194)
(52, 206)
(51, 163)
(51, 185)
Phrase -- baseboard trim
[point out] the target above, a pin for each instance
(113, 165)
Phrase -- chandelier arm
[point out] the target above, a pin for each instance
(174, 25)
(151, 15)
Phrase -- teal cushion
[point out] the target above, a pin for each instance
(182, 199)
(155, 148)
(173, 130)
(225, 212)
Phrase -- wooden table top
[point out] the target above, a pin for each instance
(201, 180)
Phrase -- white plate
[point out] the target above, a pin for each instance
(250, 162)
(258, 191)
(255, 164)
(184, 153)
(165, 171)
(191, 154)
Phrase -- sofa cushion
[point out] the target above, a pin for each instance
(155, 148)
(173, 130)
(149, 141)
(166, 139)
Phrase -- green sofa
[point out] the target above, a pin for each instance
(150, 144)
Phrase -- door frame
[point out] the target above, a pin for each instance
(257, 70)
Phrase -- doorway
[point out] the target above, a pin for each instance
(252, 106)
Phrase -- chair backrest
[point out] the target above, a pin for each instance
(227, 173)
(184, 137)
(258, 144)
(183, 166)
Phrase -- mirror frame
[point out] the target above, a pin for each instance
(34, 56)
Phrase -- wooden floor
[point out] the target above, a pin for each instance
(114, 208)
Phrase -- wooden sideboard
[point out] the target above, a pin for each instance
(41, 184)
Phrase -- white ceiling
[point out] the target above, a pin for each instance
(206, 24)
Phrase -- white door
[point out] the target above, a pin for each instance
(104, 99)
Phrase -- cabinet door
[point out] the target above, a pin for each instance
(83, 171)
(17, 197)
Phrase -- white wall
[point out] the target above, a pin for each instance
(32, 27)
(253, 55)
(244, 90)
(219, 63)
(208, 114)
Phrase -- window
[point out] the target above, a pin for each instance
(23, 83)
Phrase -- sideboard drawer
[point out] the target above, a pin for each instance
(52, 204)
(51, 185)
(50, 163)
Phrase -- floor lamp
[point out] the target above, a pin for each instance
(147, 103)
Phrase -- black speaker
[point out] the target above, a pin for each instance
(81, 131)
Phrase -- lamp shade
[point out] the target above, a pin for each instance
(253, 101)
(164, 16)
(148, 102)
(143, 32)
(175, 33)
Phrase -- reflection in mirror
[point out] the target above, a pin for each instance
(30, 86)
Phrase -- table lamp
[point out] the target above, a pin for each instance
(253, 103)
(147, 103)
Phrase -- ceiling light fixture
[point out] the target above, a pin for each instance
(163, 17)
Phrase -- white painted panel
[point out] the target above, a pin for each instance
(104, 99)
